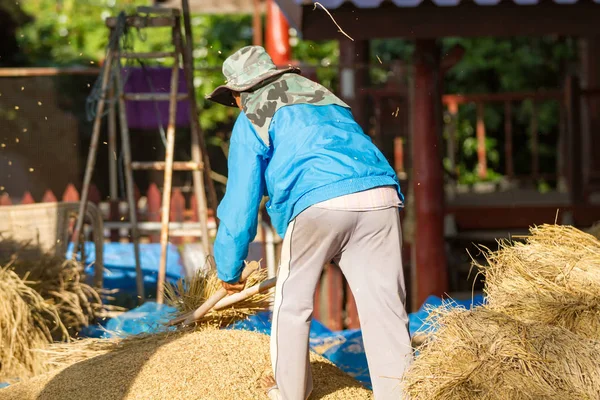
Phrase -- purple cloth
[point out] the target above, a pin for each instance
(143, 114)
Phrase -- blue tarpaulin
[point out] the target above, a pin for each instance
(148, 318)
(343, 348)
(119, 264)
(417, 321)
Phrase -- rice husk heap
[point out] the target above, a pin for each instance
(189, 294)
(203, 364)
(483, 354)
(27, 322)
(551, 278)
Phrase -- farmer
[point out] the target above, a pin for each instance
(332, 197)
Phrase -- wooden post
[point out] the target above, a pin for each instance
(481, 151)
(114, 215)
(154, 207)
(431, 275)
(177, 211)
(561, 176)
(168, 179)
(129, 184)
(590, 112)
(317, 301)
(199, 150)
(573, 145)
(451, 130)
(352, 321)
(399, 157)
(94, 196)
(72, 195)
(508, 141)
(91, 159)
(354, 76)
(257, 38)
(112, 147)
(535, 148)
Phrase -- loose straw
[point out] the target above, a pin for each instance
(333, 19)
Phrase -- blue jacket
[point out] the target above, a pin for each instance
(316, 153)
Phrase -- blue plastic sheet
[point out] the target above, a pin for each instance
(343, 348)
(119, 264)
(148, 318)
(417, 321)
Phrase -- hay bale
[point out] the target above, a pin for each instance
(204, 364)
(57, 280)
(190, 293)
(483, 354)
(27, 322)
(552, 278)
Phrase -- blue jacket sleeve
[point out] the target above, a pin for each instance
(238, 211)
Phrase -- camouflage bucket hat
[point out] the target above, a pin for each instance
(244, 70)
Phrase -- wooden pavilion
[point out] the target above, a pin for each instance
(424, 22)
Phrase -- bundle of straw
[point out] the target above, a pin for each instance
(60, 281)
(551, 278)
(27, 322)
(189, 294)
(57, 280)
(483, 354)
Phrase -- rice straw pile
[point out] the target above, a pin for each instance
(483, 354)
(27, 322)
(538, 335)
(42, 299)
(189, 294)
(203, 364)
(552, 278)
(58, 281)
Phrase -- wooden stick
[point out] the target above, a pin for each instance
(245, 294)
(168, 175)
(18, 72)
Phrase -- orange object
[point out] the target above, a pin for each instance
(277, 40)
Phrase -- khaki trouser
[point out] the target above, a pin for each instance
(367, 247)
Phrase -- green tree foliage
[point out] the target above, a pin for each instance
(72, 32)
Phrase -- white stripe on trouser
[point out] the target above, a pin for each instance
(282, 274)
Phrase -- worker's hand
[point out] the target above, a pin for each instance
(233, 287)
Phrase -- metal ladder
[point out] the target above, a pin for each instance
(112, 85)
